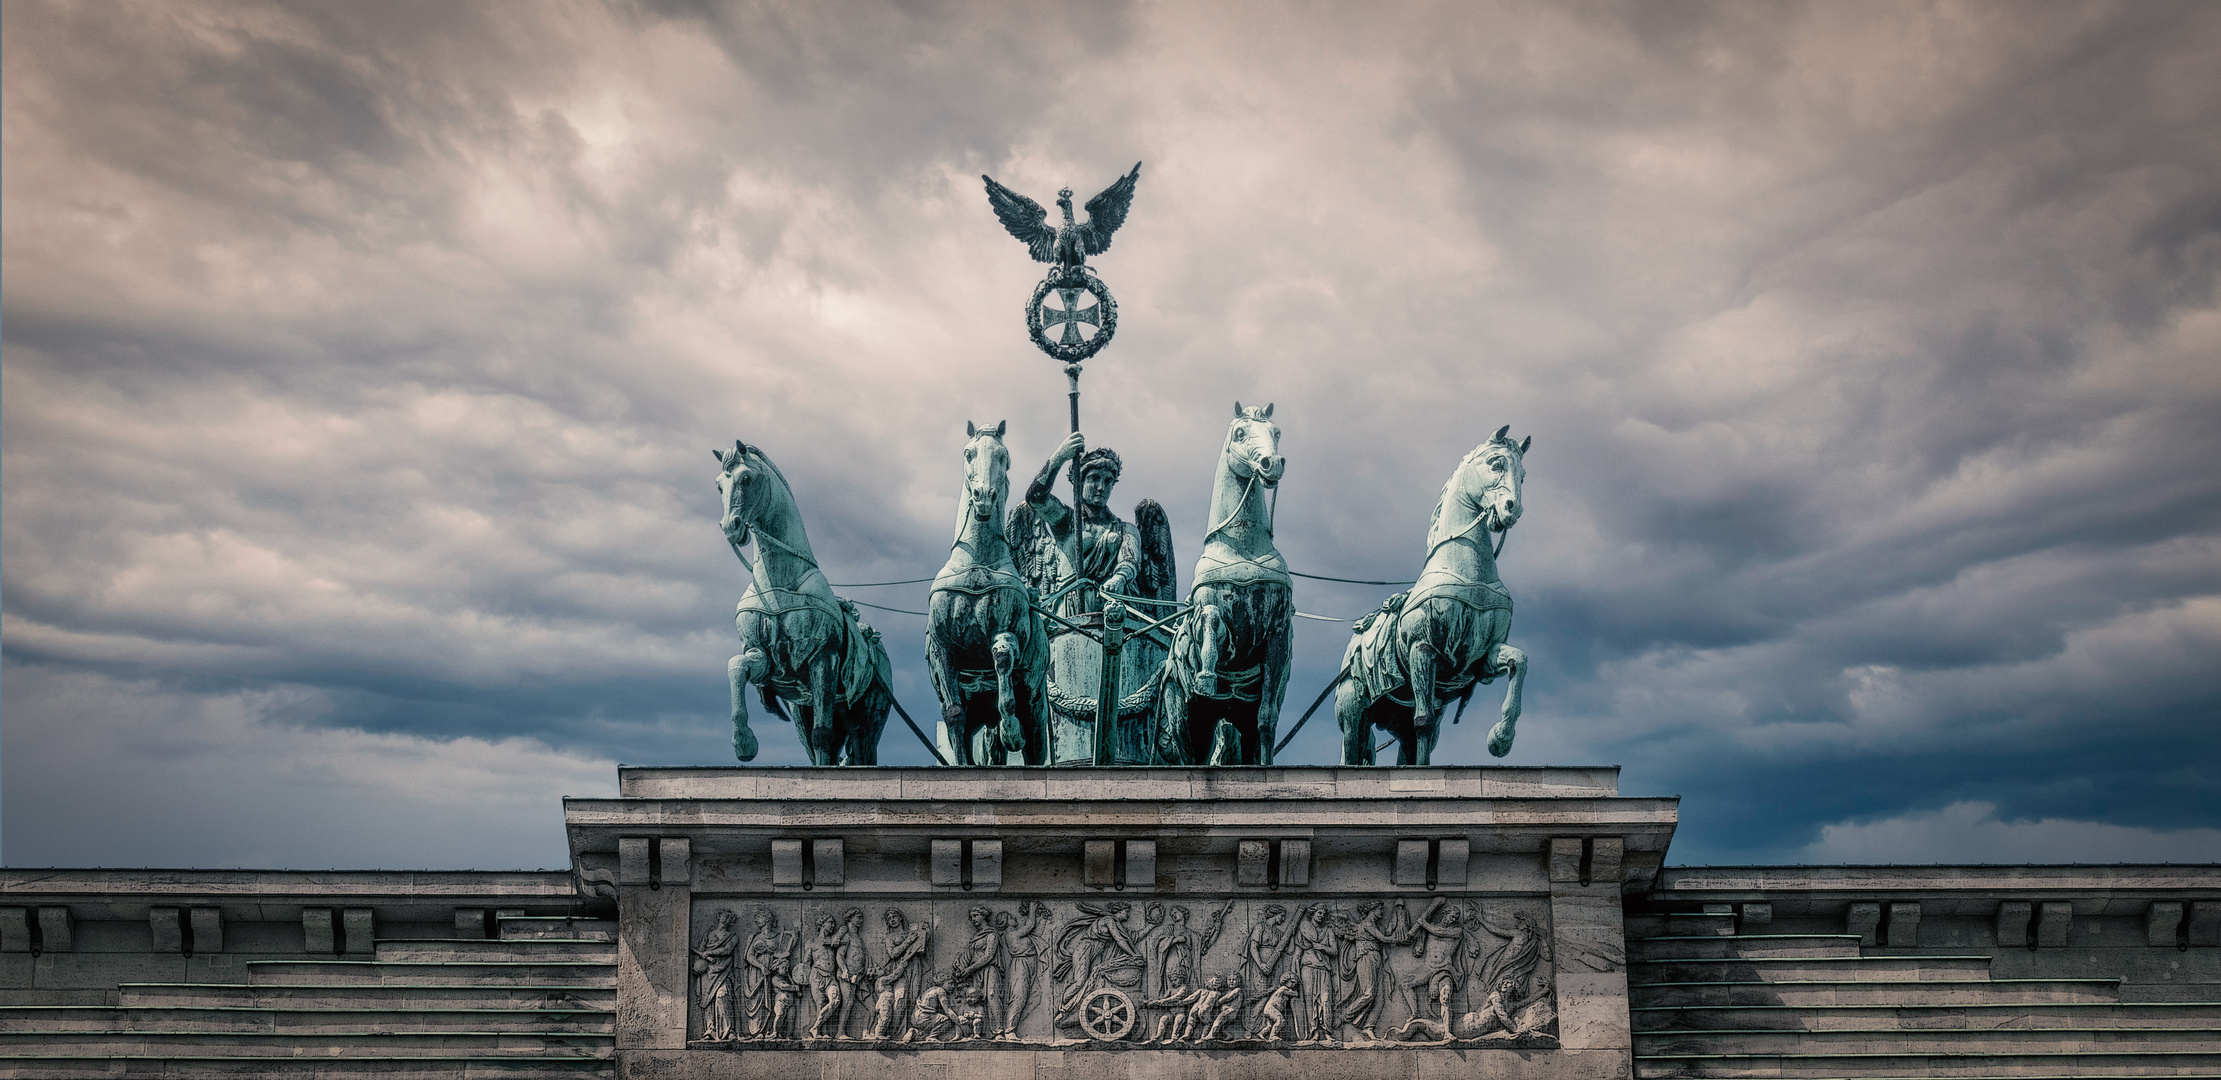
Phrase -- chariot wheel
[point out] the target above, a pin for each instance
(1107, 1014)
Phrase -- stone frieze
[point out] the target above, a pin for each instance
(1110, 972)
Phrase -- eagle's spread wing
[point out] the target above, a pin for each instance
(1154, 577)
(1105, 213)
(1026, 220)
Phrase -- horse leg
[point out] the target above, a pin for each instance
(1226, 743)
(1174, 747)
(740, 671)
(1513, 662)
(864, 720)
(1419, 748)
(1034, 677)
(1211, 634)
(942, 666)
(1349, 712)
(1010, 735)
(825, 742)
(1272, 689)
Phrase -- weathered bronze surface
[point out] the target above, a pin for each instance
(803, 648)
(1444, 636)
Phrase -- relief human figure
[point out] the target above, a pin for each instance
(856, 964)
(1365, 963)
(1317, 953)
(971, 1013)
(936, 1017)
(1145, 943)
(1023, 937)
(906, 956)
(985, 958)
(1179, 999)
(826, 977)
(1277, 1004)
(1201, 1006)
(1091, 943)
(1506, 1014)
(764, 948)
(713, 977)
(1440, 947)
(783, 990)
(887, 1006)
(1174, 947)
(1262, 952)
(1227, 1007)
(1522, 953)
(1532, 1018)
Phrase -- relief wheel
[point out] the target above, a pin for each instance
(1107, 1014)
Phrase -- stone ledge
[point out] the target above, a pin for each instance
(1139, 783)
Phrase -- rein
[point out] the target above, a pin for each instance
(1238, 506)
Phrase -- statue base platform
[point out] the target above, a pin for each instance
(1198, 922)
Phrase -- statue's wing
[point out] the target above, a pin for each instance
(1155, 577)
(1106, 212)
(1026, 220)
(1031, 546)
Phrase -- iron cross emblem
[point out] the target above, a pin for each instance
(1071, 316)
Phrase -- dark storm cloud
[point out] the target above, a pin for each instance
(360, 364)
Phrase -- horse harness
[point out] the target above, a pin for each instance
(1480, 596)
(853, 638)
(978, 580)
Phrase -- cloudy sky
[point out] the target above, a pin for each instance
(362, 361)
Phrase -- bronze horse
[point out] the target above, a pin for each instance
(798, 642)
(1445, 635)
(985, 645)
(1228, 669)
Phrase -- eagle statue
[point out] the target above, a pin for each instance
(1067, 245)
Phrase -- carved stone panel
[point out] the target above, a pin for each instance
(1111, 973)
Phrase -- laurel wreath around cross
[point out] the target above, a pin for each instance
(1071, 347)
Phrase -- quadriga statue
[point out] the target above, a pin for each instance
(801, 646)
(1074, 559)
(985, 646)
(1445, 635)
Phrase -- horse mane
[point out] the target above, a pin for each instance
(756, 453)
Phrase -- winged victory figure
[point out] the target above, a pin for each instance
(1067, 245)
(1053, 545)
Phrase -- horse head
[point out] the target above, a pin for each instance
(986, 471)
(1253, 445)
(739, 488)
(1492, 476)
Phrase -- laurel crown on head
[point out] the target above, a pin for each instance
(1102, 457)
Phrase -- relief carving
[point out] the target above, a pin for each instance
(1100, 973)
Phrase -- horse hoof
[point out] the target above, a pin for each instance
(744, 743)
(1500, 740)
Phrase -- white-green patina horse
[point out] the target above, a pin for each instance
(1227, 672)
(986, 646)
(1446, 634)
(799, 643)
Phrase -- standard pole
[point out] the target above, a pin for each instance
(1079, 534)
(1106, 694)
